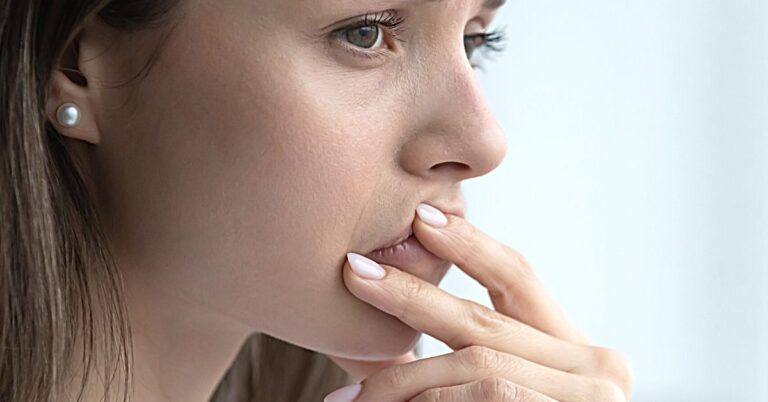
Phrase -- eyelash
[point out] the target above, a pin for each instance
(394, 23)
(490, 42)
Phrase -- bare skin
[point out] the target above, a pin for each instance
(260, 149)
(524, 350)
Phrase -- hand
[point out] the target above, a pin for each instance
(524, 350)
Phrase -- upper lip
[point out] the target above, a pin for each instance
(407, 229)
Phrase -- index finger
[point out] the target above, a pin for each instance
(455, 321)
(513, 286)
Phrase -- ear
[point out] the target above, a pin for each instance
(68, 84)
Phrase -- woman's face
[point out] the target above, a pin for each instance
(265, 144)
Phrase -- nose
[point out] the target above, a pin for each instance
(455, 136)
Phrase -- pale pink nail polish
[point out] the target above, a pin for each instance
(365, 267)
(431, 215)
(346, 394)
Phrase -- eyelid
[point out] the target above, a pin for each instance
(361, 19)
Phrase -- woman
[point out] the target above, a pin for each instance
(180, 174)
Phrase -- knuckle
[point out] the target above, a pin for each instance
(395, 377)
(606, 391)
(484, 323)
(474, 244)
(611, 364)
(520, 264)
(476, 357)
(413, 288)
(471, 231)
(413, 292)
(499, 389)
(484, 320)
(432, 395)
(464, 239)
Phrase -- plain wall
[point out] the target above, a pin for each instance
(636, 182)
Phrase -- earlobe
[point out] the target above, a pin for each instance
(69, 110)
(68, 115)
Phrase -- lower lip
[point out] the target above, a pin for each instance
(408, 253)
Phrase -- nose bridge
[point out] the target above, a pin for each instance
(464, 97)
(458, 134)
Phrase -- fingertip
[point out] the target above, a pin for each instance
(365, 267)
(431, 215)
(345, 394)
(427, 233)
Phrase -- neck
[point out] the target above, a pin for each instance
(181, 348)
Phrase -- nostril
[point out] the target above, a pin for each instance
(451, 166)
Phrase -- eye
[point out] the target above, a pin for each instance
(366, 37)
(472, 42)
(486, 42)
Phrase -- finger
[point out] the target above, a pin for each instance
(475, 363)
(513, 286)
(460, 323)
(487, 389)
(360, 369)
(457, 322)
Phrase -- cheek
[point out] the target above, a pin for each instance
(307, 177)
(294, 179)
(251, 197)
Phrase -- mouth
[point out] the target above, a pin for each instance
(405, 234)
(406, 252)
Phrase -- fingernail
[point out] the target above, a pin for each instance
(365, 267)
(431, 215)
(346, 394)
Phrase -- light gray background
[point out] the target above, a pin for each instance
(636, 182)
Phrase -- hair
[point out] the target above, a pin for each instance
(60, 290)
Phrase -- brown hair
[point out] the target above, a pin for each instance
(60, 291)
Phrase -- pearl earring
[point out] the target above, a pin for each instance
(68, 115)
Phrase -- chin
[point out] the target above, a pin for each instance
(378, 335)
(385, 341)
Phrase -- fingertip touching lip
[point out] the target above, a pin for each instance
(407, 231)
